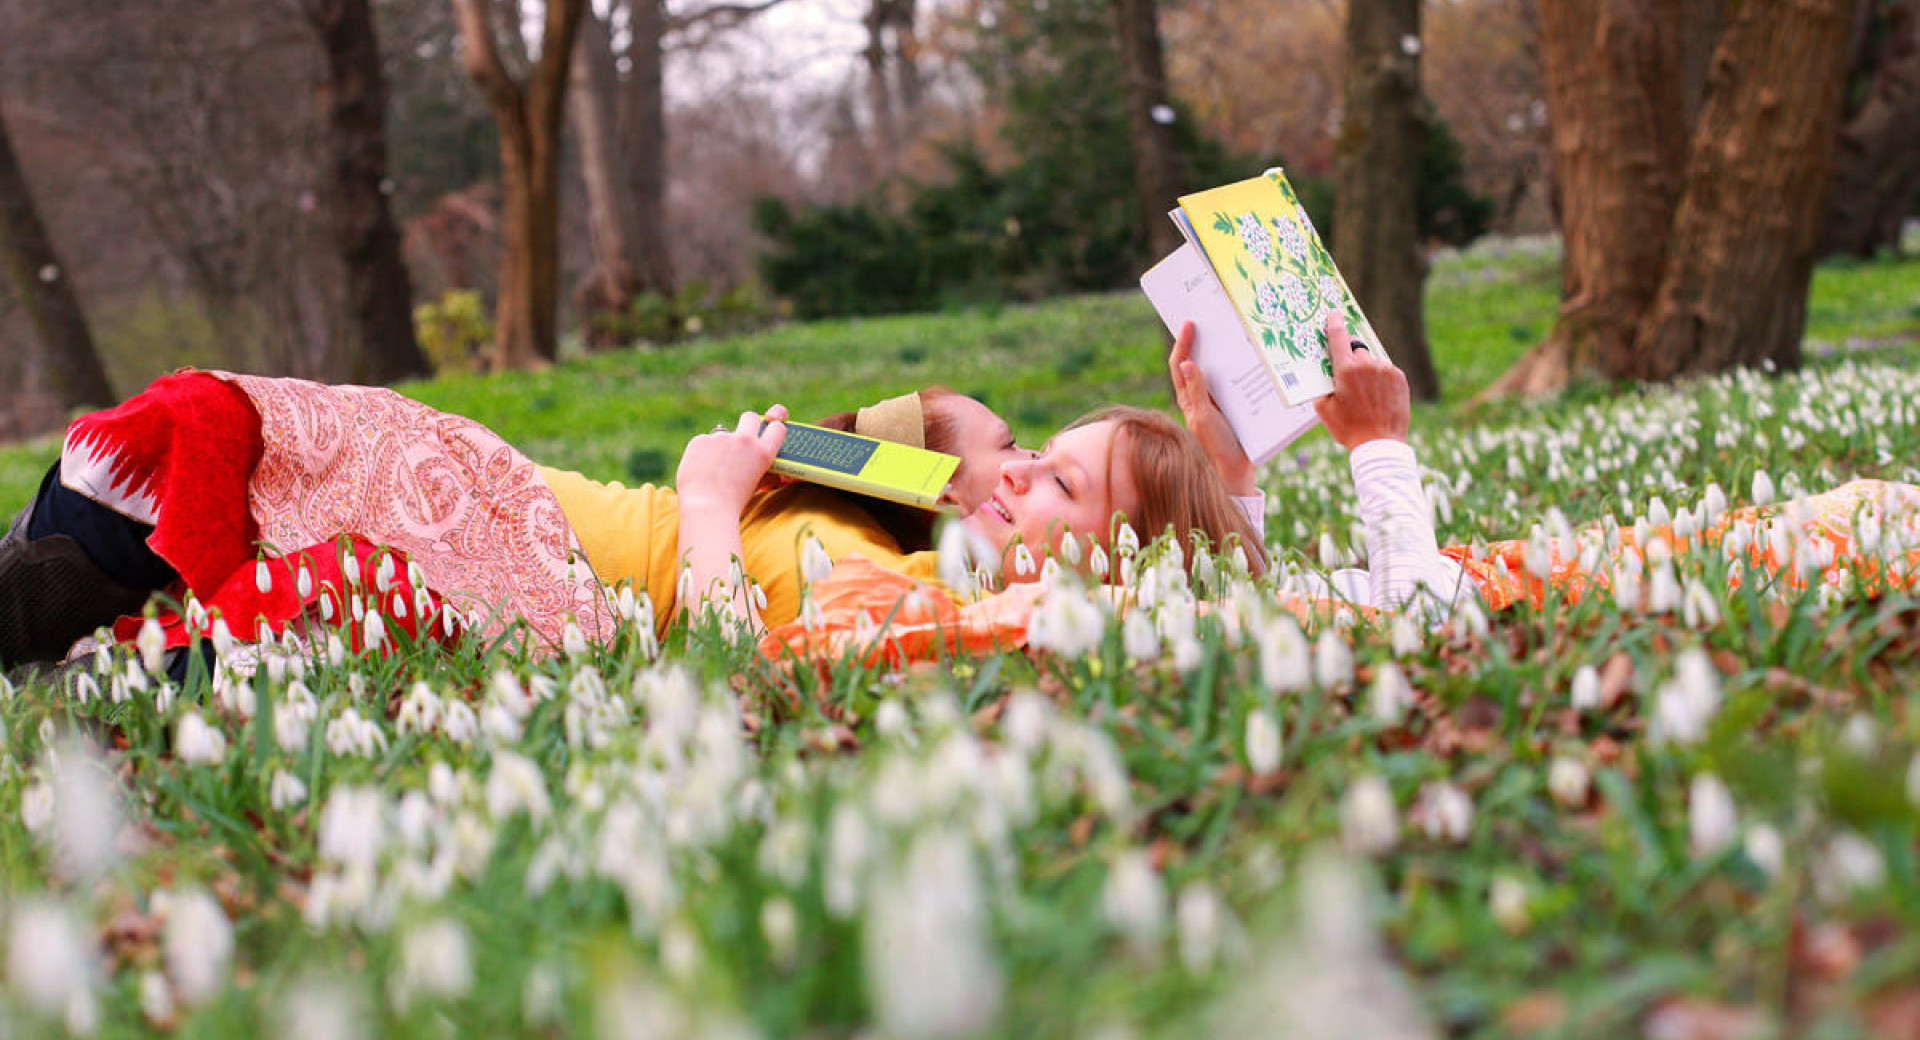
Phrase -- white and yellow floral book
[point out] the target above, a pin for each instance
(1257, 282)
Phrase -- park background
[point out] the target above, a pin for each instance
(1658, 253)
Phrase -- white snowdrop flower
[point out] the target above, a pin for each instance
(1663, 590)
(1326, 552)
(1861, 736)
(50, 961)
(198, 945)
(1127, 541)
(196, 743)
(1764, 849)
(849, 845)
(679, 950)
(1368, 820)
(1138, 635)
(434, 963)
(285, 791)
(86, 811)
(1263, 741)
(1070, 550)
(1200, 925)
(1446, 812)
(1712, 820)
(1685, 705)
(1538, 555)
(303, 582)
(196, 614)
(1507, 903)
(36, 807)
(890, 720)
(1714, 502)
(515, 784)
(815, 563)
(1098, 564)
(1027, 717)
(152, 645)
(156, 999)
(1405, 636)
(353, 826)
(1134, 900)
(1187, 653)
(1568, 781)
(350, 568)
(375, 631)
(1585, 688)
(1626, 585)
(322, 1008)
(384, 573)
(262, 577)
(780, 926)
(86, 689)
(1698, 608)
(1332, 660)
(336, 650)
(459, 722)
(1286, 662)
(1068, 622)
(1657, 513)
(573, 641)
(1913, 779)
(1023, 564)
(930, 971)
(1762, 487)
(1850, 863)
(956, 560)
(1389, 696)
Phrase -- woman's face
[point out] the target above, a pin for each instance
(1074, 485)
(983, 442)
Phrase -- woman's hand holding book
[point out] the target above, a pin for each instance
(1370, 400)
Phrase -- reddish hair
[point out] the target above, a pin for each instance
(1180, 490)
(911, 528)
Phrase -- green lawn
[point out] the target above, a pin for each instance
(1695, 813)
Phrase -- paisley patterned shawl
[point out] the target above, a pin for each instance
(444, 490)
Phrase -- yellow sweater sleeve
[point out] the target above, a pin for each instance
(628, 534)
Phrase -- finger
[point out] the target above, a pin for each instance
(1339, 341)
(1196, 383)
(777, 413)
(1182, 346)
(774, 435)
(749, 424)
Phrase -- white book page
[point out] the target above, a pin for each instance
(1184, 288)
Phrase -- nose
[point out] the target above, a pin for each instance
(1017, 471)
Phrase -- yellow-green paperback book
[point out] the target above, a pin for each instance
(865, 465)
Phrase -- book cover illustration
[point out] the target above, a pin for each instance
(1279, 275)
(865, 465)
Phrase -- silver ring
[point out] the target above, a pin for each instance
(718, 428)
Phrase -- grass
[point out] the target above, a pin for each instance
(1068, 842)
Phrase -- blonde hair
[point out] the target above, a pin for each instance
(1180, 490)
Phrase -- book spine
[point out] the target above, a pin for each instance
(848, 482)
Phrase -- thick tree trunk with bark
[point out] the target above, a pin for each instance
(643, 138)
(1742, 248)
(44, 288)
(1876, 175)
(1616, 116)
(1156, 172)
(593, 101)
(529, 114)
(379, 291)
(1376, 225)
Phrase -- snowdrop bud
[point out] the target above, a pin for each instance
(286, 791)
(1389, 696)
(1446, 813)
(197, 743)
(350, 567)
(1285, 659)
(36, 807)
(1507, 902)
(85, 809)
(1711, 817)
(1325, 551)
(198, 945)
(1850, 863)
(383, 574)
(152, 644)
(1657, 513)
(1127, 541)
(1698, 608)
(1538, 555)
(573, 641)
(1764, 849)
(1567, 781)
(1406, 636)
(434, 962)
(1332, 660)
(1263, 741)
(1585, 688)
(815, 564)
(1138, 635)
(196, 614)
(1199, 923)
(1097, 562)
(1762, 488)
(262, 577)
(1913, 779)
(303, 583)
(156, 999)
(1023, 564)
(50, 960)
(890, 720)
(1025, 723)
(1368, 821)
(1686, 704)
(375, 631)
(780, 924)
(1715, 501)
(1070, 549)
(1134, 900)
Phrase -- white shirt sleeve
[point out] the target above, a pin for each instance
(1403, 555)
(1255, 508)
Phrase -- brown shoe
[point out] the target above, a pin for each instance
(51, 594)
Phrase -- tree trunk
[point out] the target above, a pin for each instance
(1876, 175)
(379, 291)
(44, 288)
(593, 101)
(643, 143)
(526, 315)
(1742, 248)
(1376, 224)
(880, 101)
(1155, 166)
(1616, 104)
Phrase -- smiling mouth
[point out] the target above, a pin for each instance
(997, 508)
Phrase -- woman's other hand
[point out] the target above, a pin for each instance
(1203, 417)
(1370, 401)
(720, 470)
